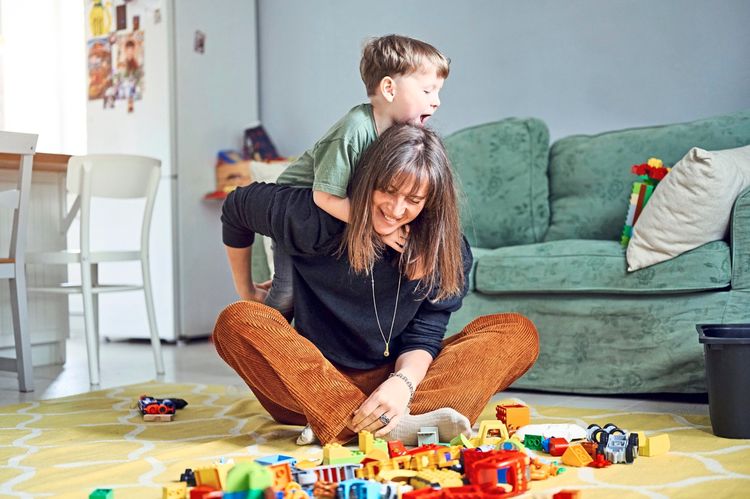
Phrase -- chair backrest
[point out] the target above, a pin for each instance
(113, 176)
(23, 144)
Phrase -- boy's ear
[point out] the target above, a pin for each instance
(387, 88)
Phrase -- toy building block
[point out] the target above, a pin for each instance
(541, 470)
(174, 491)
(516, 415)
(436, 478)
(213, 476)
(491, 432)
(396, 448)
(324, 489)
(507, 470)
(567, 494)
(201, 492)
(102, 494)
(652, 446)
(337, 454)
(188, 477)
(396, 475)
(599, 461)
(280, 468)
(247, 480)
(367, 442)
(575, 455)
(513, 443)
(428, 435)
(557, 446)
(159, 418)
(533, 442)
(364, 489)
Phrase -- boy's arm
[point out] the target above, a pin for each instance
(242, 274)
(333, 205)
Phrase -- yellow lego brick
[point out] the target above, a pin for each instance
(492, 432)
(652, 446)
(174, 491)
(366, 441)
(436, 478)
(576, 455)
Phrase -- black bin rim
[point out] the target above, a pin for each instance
(724, 334)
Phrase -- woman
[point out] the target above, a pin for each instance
(368, 350)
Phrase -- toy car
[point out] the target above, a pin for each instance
(614, 443)
(150, 405)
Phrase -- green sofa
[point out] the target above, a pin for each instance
(545, 225)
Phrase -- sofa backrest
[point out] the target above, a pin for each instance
(590, 179)
(502, 171)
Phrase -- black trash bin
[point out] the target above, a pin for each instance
(727, 353)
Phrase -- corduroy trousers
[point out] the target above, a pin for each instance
(297, 385)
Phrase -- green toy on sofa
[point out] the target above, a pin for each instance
(545, 225)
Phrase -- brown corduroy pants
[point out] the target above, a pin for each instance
(297, 385)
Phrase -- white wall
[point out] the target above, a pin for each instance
(584, 66)
(216, 100)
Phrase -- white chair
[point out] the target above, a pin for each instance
(113, 177)
(12, 268)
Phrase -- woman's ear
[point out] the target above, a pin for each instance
(387, 88)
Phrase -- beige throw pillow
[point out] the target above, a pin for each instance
(690, 207)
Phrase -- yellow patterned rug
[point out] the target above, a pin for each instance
(70, 446)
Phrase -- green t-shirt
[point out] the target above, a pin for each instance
(329, 165)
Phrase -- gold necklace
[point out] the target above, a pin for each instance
(387, 342)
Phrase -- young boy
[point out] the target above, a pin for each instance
(403, 78)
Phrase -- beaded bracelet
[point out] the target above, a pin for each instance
(408, 384)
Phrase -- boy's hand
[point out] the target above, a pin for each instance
(397, 239)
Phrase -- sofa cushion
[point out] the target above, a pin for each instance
(502, 167)
(590, 178)
(591, 266)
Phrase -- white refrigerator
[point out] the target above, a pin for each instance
(198, 92)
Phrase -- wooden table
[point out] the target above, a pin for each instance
(43, 162)
(48, 313)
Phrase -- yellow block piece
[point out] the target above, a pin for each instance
(576, 455)
(652, 446)
(492, 432)
(174, 491)
(436, 478)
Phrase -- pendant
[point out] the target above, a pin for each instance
(386, 353)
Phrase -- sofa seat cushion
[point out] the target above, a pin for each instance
(594, 266)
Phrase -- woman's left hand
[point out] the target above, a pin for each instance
(388, 401)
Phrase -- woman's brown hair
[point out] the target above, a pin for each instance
(402, 155)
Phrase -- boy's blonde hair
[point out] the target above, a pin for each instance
(394, 55)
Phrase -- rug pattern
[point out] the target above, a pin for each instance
(70, 446)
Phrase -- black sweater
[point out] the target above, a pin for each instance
(333, 305)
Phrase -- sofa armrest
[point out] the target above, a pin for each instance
(739, 240)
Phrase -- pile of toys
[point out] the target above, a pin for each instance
(500, 461)
(650, 174)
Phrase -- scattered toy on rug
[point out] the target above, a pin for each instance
(500, 461)
(159, 410)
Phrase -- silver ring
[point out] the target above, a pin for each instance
(384, 419)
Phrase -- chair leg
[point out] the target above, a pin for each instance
(92, 335)
(151, 312)
(19, 311)
(95, 305)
